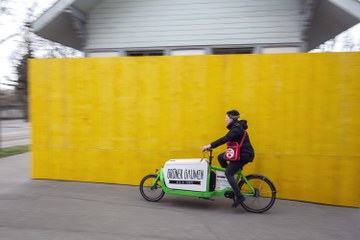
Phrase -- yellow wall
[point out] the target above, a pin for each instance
(116, 119)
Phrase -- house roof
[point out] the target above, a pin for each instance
(331, 17)
(57, 23)
(65, 21)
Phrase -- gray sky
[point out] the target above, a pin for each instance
(10, 24)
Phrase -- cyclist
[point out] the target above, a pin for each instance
(236, 132)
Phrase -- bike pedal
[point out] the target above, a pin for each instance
(229, 194)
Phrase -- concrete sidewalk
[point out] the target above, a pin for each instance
(57, 210)
(14, 133)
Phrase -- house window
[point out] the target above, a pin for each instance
(232, 50)
(145, 53)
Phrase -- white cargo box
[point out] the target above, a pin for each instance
(186, 174)
(221, 181)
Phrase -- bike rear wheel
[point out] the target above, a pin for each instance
(262, 199)
(148, 190)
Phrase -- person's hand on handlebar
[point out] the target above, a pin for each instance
(206, 148)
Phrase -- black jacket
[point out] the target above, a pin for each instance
(237, 131)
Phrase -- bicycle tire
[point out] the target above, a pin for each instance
(265, 192)
(146, 190)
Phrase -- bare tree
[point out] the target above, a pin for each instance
(31, 46)
(345, 42)
(4, 9)
(21, 66)
(328, 46)
(349, 43)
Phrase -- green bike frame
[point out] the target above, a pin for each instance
(208, 194)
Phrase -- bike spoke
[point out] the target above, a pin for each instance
(263, 197)
(150, 191)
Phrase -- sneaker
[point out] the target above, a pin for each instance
(238, 200)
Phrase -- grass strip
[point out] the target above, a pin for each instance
(5, 152)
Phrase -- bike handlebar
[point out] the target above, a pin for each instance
(210, 156)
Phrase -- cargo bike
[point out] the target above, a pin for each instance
(197, 177)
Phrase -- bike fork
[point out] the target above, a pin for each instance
(253, 191)
(153, 186)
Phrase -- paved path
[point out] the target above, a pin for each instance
(59, 210)
(14, 133)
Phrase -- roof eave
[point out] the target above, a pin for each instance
(331, 18)
(56, 25)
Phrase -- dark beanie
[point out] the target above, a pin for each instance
(233, 114)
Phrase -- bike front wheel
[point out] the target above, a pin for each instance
(148, 190)
(262, 198)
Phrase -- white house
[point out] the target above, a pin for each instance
(178, 27)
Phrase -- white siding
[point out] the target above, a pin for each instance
(280, 49)
(169, 23)
(103, 54)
